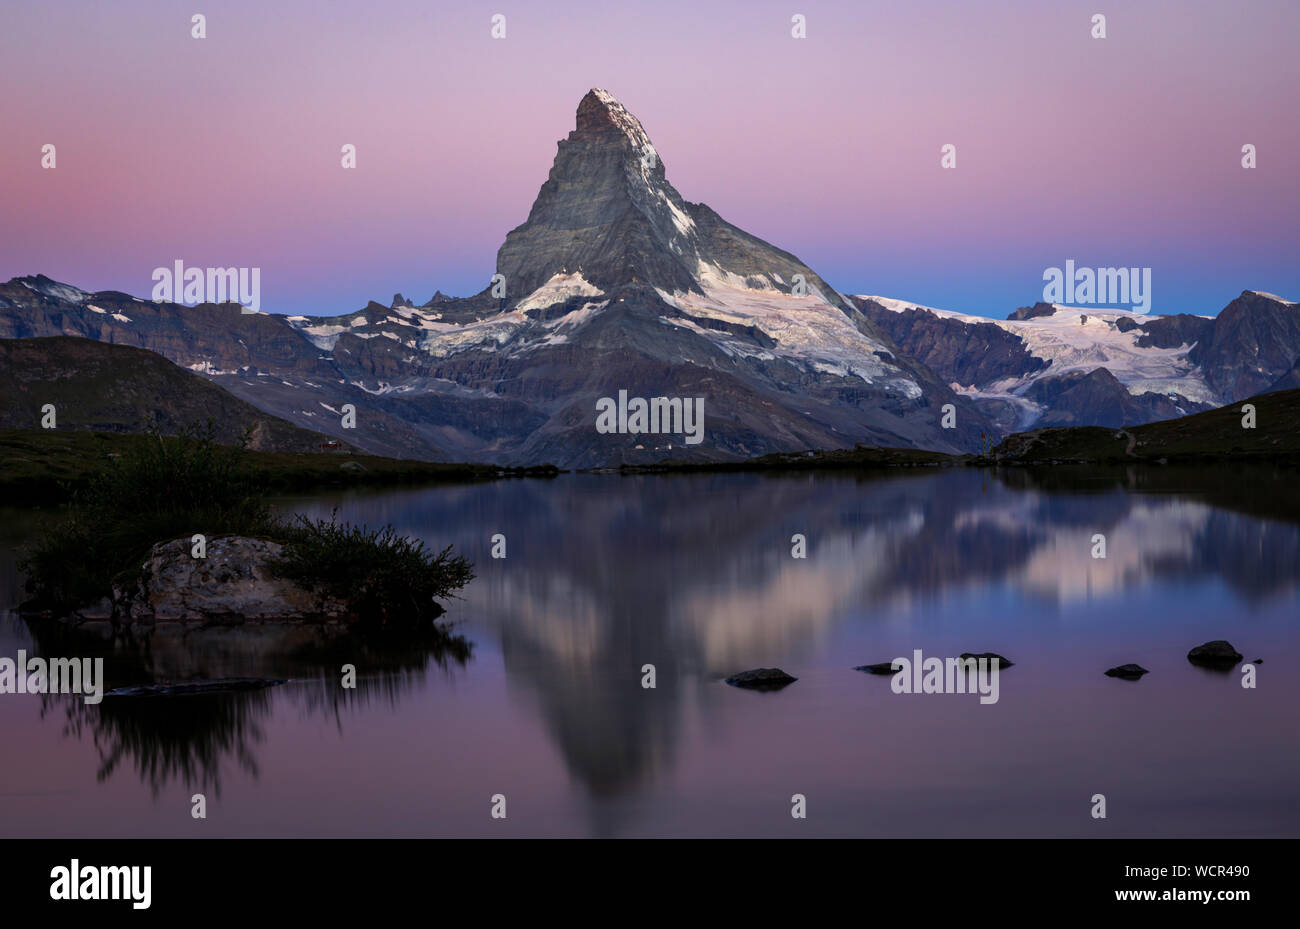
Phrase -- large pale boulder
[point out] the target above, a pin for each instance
(232, 584)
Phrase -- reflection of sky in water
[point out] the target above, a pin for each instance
(694, 575)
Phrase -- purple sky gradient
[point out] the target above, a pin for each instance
(225, 151)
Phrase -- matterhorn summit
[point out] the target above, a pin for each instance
(608, 213)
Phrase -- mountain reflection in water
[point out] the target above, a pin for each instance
(537, 692)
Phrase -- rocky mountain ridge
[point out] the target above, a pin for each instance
(1049, 364)
(615, 282)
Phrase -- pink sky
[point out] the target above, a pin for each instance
(225, 151)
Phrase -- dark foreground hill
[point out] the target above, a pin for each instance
(97, 387)
(1215, 435)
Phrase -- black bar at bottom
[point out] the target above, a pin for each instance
(248, 878)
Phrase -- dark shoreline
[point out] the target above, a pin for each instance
(39, 467)
(1215, 437)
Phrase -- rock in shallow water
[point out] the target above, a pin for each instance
(761, 679)
(1216, 654)
(184, 688)
(1128, 672)
(884, 667)
(994, 659)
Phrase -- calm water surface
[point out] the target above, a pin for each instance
(543, 702)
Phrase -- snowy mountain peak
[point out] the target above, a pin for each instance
(49, 287)
(606, 210)
(603, 121)
(1268, 296)
(602, 117)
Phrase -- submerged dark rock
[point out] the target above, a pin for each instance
(1216, 654)
(995, 660)
(1128, 672)
(186, 688)
(761, 679)
(884, 667)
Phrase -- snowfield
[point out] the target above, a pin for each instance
(558, 289)
(1082, 339)
(808, 330)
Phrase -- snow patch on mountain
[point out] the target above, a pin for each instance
(558, 289)
(713, 276)
(1027, 411)
(570, 322)
(323, 336)
(1081, 339)
(808, 330)
(443, 339)
(898, 306)
(577, 317)
(1269, 296)
(730, 345)
(683, 223)
(207, 368)
(43, 285)
(380, 388)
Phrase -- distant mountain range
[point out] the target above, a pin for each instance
(616, 283)
(1052, 365)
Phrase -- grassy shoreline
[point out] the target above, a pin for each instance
(179, 492)
(40, 467)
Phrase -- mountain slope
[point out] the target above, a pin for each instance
(1288, 381)
(260, 358)
(1255, 340)
(115, 388)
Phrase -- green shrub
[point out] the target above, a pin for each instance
(65, 566)
(167, 488)
(388, 578)
(189, 472)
